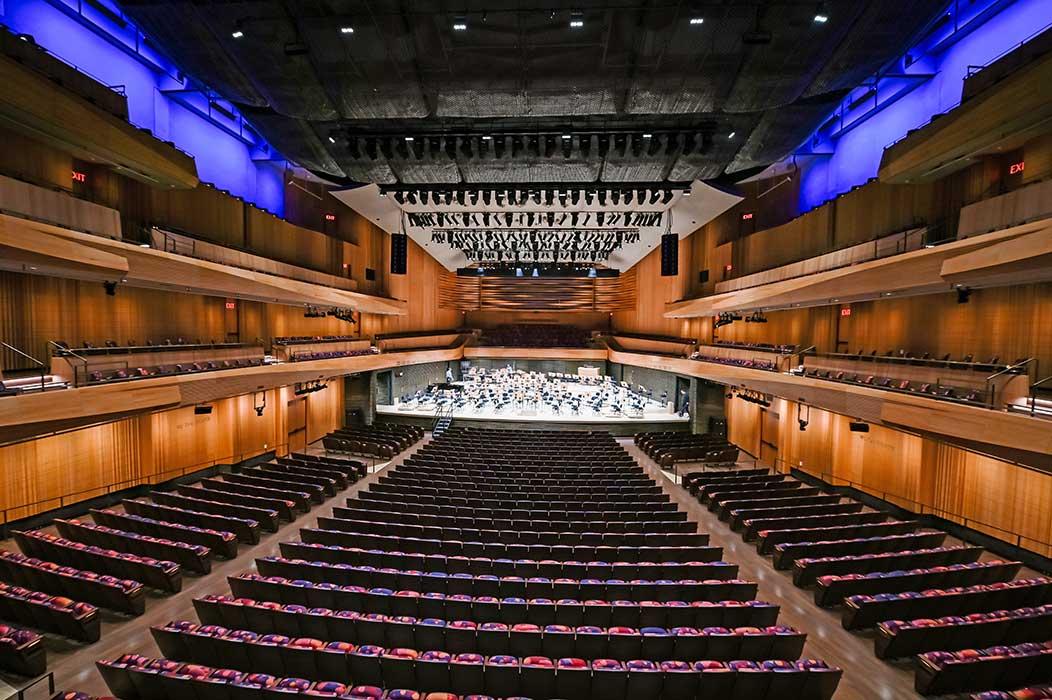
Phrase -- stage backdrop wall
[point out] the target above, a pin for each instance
(407, 380)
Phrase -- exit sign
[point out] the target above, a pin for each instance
(79, 176)
(231, 305)
(845, 311)
(747, 216)
(330, 217)
(1016, 168)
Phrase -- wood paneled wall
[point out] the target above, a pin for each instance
(922, 475)
(419, 287)
(1009, 322)
(654, 291)
(43, 474)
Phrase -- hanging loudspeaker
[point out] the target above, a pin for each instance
(669, 255)
(399, 250)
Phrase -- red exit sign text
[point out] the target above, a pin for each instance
(1016, 168)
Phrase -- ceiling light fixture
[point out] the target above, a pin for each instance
(567, 137)
(459, 26)
(695, 21)
(237, 34)
(576, 20)
(346, 30)
(647, 136)
(332, 140)
(821, 13)
(732, 134)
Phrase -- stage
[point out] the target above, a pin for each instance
(514, 399)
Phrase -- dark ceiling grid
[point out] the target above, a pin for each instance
(635, 67)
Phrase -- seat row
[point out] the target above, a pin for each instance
(520, 639)
(787, 554)
(190, 557)
(180, 511)
(969, 670)
(326, 594)
(105, 591)
(542, 553)
(482, 484)
(50, 613)
(720, 576)
(274, 593)
(640, 523)
(806, 571)
(371, 501)
(299, 620)
(479, 566)
(898, 638)
(863, 610)
(221, 543)
(473, 540)
(157, 573)
(579, 498)
(829, 528)
(133, 677)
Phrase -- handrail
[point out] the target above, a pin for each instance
(41, 365)
(12, 348)
(49, 677)
(1009, 368)
(1033, 394)
(68, 351)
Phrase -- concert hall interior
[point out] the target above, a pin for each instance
(614, 349)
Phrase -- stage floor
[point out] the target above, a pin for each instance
(541, 415)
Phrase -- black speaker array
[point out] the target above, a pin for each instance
(399, 251)
(669, 255)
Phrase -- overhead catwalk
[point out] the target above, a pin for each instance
(515, 395)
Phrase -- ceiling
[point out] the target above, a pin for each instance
(636, 93)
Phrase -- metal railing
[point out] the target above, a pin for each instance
(21, 693)
(1011, 536)
(440, 413)
(40, 365)
(84, 360)
(991, 390)
(1033, 392)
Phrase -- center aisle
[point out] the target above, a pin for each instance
(510, 563)
(866, 677)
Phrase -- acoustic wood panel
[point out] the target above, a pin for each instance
(419, 289)
(58, 470)
(532, 295)
(920, 474)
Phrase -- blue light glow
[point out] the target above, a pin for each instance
(117, 57)
(970, 39)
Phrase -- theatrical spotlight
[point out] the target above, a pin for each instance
(726, 318)
(666, 197)
(399, 197)
(756, 317)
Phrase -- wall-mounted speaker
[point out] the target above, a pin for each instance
(202, 410)
(703, 276)
(669, 255)
(399, 251)
(858, 427)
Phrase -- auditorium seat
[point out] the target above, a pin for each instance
(192, 557)
(786, 555)
(50, 613)
(22, 651)
(245, 529)
(864, 610)
(156, 573)
(105, 591)
(832, 589)
(970, 670)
